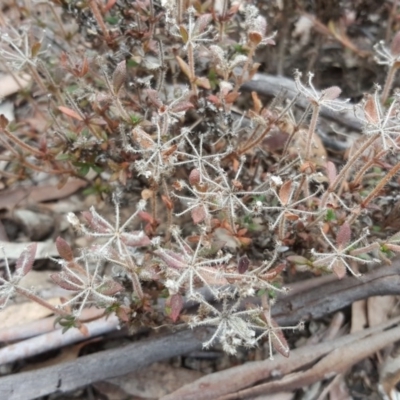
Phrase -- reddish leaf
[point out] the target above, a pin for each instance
(214, 99)
(3, 300)
(291, 217)
(154, 97)
(331, 171)
(84, 330)
(95, 223)
(25, 260)
(331, 93)
(370, 110)
(339, 269)
(3, 121)
(231, 97)
(58, 279)
(119, 76)
(71, 113)
(273, 273)
(110, 287)
(64, 249)
(344, 235)
(203, 82)
(135, 239)
(170, 150)
(123, 313)
(284, 192)
(176, 304)
(182, 106)
(203, 21)
(172, 259)
(243, 264)
(146, 217)
(255, 37)
(142, 138)
(167, 201)
(198, 214)
(184, 67)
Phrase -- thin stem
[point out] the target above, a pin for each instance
(22, 144)
(370, 163)
(99, 18)
(346, 168)
(169, 214)
(311, 130)
(37, 78)
(154, 201)
(381, 184)
(389, 82)
(192, 77)
(33, 297)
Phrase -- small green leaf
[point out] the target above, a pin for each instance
(63, 157)
(330, 215)
(135, 119)
(112, 20)
(84, 169)
(131, 63)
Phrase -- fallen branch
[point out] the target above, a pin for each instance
(269, 85)
(337, 361)
(233, 379)
(41, 326)
(56, 339)
(323, 300)
(333, 296)
(100, 366)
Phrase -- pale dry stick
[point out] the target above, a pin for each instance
(212, 386)
(269, 85)
(42, 326)
(336, 362)
(55, 340)
(99, 366)
(323, 395)
(335, 325)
